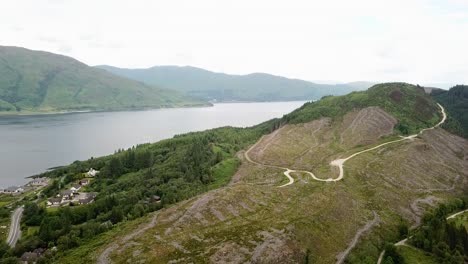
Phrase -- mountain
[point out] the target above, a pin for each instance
(455, 101)
(209, 85)
(334, 181)
(37, 81)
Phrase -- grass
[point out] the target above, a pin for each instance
(415, 256)
(223, 171)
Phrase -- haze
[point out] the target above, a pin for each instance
(424, 42)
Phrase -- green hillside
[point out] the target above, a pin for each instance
(36, 81)
(209, 85)
(217, 206)
(456, 102)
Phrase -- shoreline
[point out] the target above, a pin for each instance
(66, 112)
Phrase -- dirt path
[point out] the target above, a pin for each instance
(342, 256)
(339, 162)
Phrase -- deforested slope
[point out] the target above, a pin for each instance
(253, 220)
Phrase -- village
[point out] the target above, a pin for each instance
(73, 195)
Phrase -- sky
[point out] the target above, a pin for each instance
(417, 41)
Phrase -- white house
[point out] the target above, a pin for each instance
(67, 194)
(92, 172)
(13, 189)
(54, 201)
(75, 188)
(39, 181)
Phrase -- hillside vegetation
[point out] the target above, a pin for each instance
(217, 207)
(36, 81)
(456, 102)
(208, 85)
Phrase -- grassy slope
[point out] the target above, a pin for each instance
(223, 87)
(317, 217)
(36, 81)
(456, 102)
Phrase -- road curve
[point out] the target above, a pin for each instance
(340, 162)
(15, 231)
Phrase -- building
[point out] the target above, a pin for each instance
(67, 194)
(54, 201)
(92, 172)
(84, 182)
(13, 189)
(89, 198)
(75, 188)
(39, 181)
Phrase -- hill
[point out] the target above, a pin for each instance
(456, 102)
(37, 81)
(209, 85)
(269, 193)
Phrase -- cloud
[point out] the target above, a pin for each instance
(416, 41)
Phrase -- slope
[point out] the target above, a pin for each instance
(252, 220)
(36, 81)
(456, 102)
(209, 85)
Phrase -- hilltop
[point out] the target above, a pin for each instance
(221, 194)
(37, 81)
(209, 85)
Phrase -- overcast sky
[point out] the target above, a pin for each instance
(419, 41)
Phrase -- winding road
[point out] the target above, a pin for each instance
(15, 231)
(339, 162)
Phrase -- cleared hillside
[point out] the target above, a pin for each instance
(37, 81)
(209, 85)
(252, 220)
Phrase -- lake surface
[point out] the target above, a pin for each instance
(32, 144)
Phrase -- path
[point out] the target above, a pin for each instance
(342, 256)
(340, 162)
(15, 231)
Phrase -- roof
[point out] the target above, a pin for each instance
(84, 180)
(12, 188)
(54, 200)
(67, 192)
(76, 186)
(86, 200)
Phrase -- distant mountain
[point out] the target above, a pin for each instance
(455, 101)
(209, 85)
(37, 81)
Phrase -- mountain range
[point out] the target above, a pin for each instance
(212, 86)
(37, 81)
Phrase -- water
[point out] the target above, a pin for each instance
(31, 144)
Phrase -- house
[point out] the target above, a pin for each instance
(39, 181)
(75, 188)
(86, 200)
(54, 201)
(84, 182)
(29, 257)
(92, 172)
(89, 198)
(67, 194)
(13, 189)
